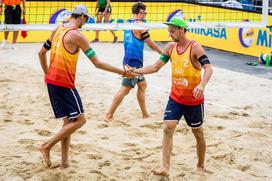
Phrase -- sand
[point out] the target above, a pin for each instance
(238, 127)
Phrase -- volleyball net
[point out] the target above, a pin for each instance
(46, 15)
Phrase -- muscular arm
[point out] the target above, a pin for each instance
(83, 44)
(42, 55)
(152, 44)
(151, 68)
(198, 51)
(208, 71)
(157, 65)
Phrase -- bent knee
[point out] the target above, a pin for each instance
(81, 120)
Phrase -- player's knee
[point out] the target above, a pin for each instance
(142, 87)
(198, 133)
(141, 90)
(169, 129)
(124, 91)
(81, 120)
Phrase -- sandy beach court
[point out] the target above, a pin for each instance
(237, 127)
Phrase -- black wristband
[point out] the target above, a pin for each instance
(47, 45)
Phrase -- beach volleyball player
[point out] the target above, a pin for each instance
(65, 44)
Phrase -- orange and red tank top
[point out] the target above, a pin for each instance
(62, 68)
(12, 2)
(185, 77)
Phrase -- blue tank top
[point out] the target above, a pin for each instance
(134, 49)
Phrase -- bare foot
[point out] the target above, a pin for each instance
(203, 170)
(108, 118)
(45, 155)
(146, 116)
(64, 165)
(162, 172)
(200, 169)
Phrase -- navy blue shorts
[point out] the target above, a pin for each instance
(193, 115)
(65, 102)
(13, 15)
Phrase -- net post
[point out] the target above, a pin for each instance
(265, 13)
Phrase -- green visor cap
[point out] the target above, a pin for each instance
(179, 22)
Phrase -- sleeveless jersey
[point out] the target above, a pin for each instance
(12, 2)
(62, 69)
(185, 77)
(134, 50)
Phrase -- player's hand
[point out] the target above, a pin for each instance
(129, 72)
(199, 90)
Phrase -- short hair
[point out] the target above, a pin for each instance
(137, 7)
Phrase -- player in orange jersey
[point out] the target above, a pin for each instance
(187, 92)
(65, 43)
(13, 14)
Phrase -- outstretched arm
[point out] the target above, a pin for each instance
(145, 35)
(164, 58)
(90, 53)
(151, 68)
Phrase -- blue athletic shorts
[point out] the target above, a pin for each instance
(65, 102)
(132, 81)
(193, 115)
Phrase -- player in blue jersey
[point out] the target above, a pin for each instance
(134, 45)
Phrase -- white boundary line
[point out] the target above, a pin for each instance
(212, 103)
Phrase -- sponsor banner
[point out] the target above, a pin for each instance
(247, 41)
